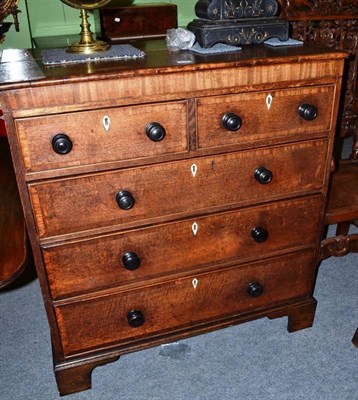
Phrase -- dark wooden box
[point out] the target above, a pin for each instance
(142, 20)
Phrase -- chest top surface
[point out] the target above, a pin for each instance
(24, 68)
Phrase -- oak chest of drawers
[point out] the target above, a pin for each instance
(170, 196)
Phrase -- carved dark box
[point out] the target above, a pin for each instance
(237, 22)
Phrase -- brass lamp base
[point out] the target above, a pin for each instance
(87, 45)
(88, 48)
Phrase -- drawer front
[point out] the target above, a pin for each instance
(139, 254)
(162, 190)
(102, 136)
(183, 303)
(262, 117)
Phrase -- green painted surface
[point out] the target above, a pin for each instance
(21, 39)
(52, 18)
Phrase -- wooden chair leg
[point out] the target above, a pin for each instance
(343, 228)
(355, 339)
(339, 246)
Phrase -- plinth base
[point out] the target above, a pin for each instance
(239, 31)
(88, 48)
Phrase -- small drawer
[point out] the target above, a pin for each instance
(107, 135)
(140, 254)
(261, 116)
(109, 320)
(138, 196)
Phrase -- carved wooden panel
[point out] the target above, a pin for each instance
(334, 24)
(310, 9)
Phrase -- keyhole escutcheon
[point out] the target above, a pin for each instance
(106, 123)
(195, 282)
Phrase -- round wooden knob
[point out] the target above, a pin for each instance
(135, 318)
(263, 175)
(307, 112)
(125, 200)
(61, 144)
(255, 289)
(231, 122)
(259, 234)
(155, 131)
(130, 260)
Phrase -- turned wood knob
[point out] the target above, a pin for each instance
(135, 318)
(125, 200)
(61, 144)
(130, 260)
(263, 175)
(231, 122)
(259, 234)
(155, 131)
(255, 289)
(307, 111)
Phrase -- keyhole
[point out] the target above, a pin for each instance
(268, 101)
(106, 122)
(195, 283)
(195, 228)
(194, 170)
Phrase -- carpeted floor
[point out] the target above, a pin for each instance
(255, 360)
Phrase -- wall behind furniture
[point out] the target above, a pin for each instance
(52, 17)
(22, 39)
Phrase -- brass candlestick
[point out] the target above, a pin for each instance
(87, 44)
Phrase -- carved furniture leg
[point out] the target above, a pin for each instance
(339, 246)
(355, 339)
(72, 379)
(300, 316)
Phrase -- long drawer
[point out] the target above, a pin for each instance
(175, 189)
(102, 136)
(179, 304)
(263, 115)
(141, 254)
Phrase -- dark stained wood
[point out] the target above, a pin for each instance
(318, 9)
(339, 246)
(343, 198)
(137, 20)
(13, 236)
(355, 338)
(342, 209)
(196, 198)
(333, 24)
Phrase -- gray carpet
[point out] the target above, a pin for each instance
(255, 360)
